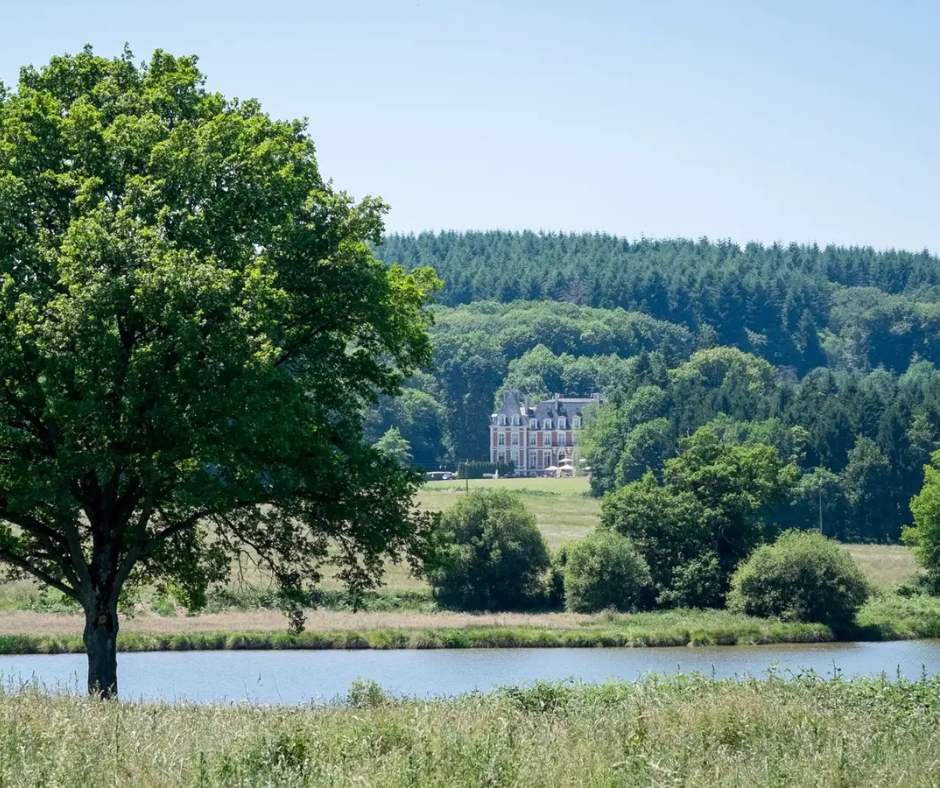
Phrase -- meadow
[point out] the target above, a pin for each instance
(404, 615)
(670, 731)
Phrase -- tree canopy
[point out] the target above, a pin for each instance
(192, 323)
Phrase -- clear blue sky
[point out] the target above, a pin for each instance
(745, 119)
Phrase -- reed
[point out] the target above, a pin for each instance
(669, 731)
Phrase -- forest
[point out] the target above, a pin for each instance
(828, 355)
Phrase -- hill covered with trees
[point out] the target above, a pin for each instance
(827, 355)
(796, 305)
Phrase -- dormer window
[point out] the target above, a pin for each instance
(547, 424)
(502, 421)
(562, 423)
(515, 421)
(533, 424)
(576, 423)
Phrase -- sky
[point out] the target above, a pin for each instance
(750, 120)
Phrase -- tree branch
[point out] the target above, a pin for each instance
(39, 574)
(53, 542)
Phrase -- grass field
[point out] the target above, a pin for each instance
(671, 731)
(563, 508)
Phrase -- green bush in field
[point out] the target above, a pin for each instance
(605, 571)
(803, 576)
(493, 554)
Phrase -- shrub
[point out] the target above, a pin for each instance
(493, 554)
(605, 571)
(555, 582)
(803, 576)
(698, 583)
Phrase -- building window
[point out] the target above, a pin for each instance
(502, 421)
(547, 424)
(515, 458)
(515, 439)
(546, 459)
(562, 439)
(562, 423)
(576, 423)
(515, 421)
(501, 457)
(501, 439)
(532, 438)
(531, 459)
(533, 424)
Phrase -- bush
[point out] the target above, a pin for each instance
(698, 583)
(555, 581)
(493, 554)
(605, 571)
(803, 576)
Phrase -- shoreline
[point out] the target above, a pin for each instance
(889, 618)
(385, 640)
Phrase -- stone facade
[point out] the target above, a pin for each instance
(539, 436)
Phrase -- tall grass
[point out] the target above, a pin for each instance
(689, 731)
(670, 628)
(884, 617)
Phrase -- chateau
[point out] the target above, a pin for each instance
(536, 437)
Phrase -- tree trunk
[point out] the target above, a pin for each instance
(101, 628)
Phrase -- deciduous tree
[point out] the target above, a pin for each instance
(191, 324)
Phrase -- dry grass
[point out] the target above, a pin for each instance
(884, 565)
(60, 624)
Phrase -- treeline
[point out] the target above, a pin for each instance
(799, 305)
(855, 443)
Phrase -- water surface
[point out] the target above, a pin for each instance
(294, 677)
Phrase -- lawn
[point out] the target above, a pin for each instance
(563, 507)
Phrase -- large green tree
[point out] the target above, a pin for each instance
(716, 503)
(191, 325)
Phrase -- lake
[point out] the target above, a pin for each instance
(296, 677)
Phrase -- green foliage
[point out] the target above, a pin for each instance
(191, 325)
(710, 511)
(555, 579)
(804, 577)
(419, 418)
(924, 537)
(493, 554)
(476, 468)
(661, 730)
(796, 305)
(697, 583)
(367, 694)
(604, 571)
(605, 314)
(393, 445)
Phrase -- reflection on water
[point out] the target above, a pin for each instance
(293, 677)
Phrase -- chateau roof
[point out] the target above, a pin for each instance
(546, 409)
